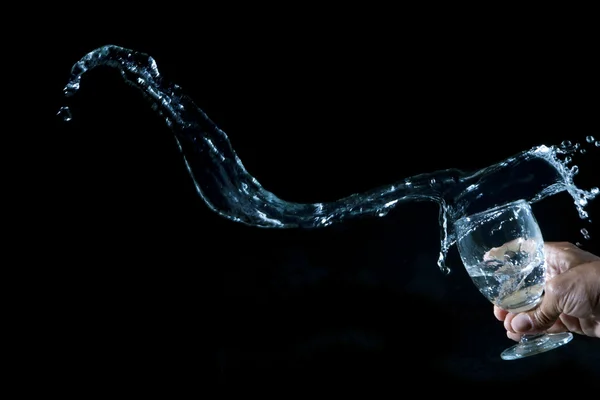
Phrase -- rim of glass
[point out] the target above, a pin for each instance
(469, 219)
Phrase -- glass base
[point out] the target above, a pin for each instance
(536, 344)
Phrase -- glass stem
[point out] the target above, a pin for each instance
(528, 338)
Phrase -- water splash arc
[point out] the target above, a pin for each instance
(227, 188)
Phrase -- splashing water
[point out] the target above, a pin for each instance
(223, 183)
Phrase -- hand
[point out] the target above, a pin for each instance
(571, 299)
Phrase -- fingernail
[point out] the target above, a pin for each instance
(521, 323)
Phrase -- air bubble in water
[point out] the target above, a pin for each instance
(589, 139)
(65, 114)
(585, 233)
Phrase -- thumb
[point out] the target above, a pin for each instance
(540, 318)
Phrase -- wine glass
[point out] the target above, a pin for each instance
(502, 250)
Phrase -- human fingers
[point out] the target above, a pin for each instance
(508, 322)
(513, 336)
(500, 313)
(558, 327)
(562, 256)
(570, 323)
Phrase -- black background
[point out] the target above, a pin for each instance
(156, 291)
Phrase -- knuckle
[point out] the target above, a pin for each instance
(553, 287)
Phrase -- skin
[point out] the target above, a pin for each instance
(571, 299)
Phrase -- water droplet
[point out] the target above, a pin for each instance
(71, 88)
(65, 114)
(575, 170)
(578, 244)
(585, 233)
(568, 159)
(566, 143)
(432, 181)
(583, 151)
(597, 144)
(589, 139)
(594, 190)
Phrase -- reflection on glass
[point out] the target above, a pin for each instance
(502, 250)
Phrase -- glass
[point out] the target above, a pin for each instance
(502, 250)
